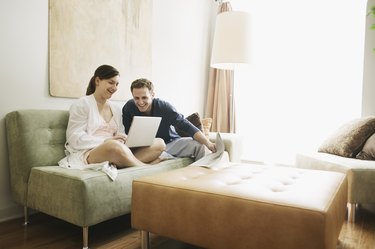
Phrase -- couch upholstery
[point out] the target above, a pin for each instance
(82, 197)
(360, 174)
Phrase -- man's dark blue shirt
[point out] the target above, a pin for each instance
(170, 119)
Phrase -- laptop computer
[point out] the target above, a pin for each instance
(142, 131)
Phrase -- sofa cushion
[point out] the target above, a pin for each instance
(349, 139)
(360, 173)
(87, 197)
(368, 150)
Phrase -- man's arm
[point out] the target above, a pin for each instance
(201, 138)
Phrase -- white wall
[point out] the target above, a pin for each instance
(368, 91)
(181, 42)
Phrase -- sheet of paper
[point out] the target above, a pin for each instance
(212, 160)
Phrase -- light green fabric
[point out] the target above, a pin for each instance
(35, 138)
(85, 197)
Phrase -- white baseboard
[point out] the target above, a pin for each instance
(11, 212)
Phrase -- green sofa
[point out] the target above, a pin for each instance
(36, 140)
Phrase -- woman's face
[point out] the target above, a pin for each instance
(107, 87)
(143, 99)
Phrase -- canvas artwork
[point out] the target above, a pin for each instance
(88, 33)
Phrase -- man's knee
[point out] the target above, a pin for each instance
(200, 151)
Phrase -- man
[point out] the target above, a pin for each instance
(144, 103)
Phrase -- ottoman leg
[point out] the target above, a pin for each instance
(351, 212)
(145, 240)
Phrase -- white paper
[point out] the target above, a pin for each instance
(213, 160)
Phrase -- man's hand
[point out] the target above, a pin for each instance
(201, 138)
(211, 147)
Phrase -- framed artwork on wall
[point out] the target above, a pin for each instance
(88, 33)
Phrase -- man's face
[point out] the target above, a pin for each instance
(143, 99)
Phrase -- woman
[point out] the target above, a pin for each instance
(95, 133)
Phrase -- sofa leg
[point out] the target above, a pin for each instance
(145, 240)
(85, 233)
(351, 212)
(25, 215)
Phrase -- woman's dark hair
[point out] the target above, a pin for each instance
(103, 72)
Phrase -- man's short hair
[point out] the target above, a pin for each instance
(141, 83)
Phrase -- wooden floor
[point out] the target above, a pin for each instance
(47, 232)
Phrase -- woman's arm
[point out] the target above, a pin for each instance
(127, 115)
(118, 117)
(77, 134)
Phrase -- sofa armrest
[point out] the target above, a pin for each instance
(232, 143)
(34, 138)
(361, 173)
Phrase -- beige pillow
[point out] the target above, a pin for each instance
(206, 126)
(349, 139)
(368, 150)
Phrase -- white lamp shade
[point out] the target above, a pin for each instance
(231, 43)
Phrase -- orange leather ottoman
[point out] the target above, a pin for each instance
(242, 206)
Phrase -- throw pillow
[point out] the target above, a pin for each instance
(206, 126)
(368, 150)
(349, 139)
(195, 120)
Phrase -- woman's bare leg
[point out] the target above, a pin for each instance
(151, 153)
(115, 152)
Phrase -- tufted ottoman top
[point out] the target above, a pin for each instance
(276, 185)
(243, 206)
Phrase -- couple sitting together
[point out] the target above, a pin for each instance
(97, 129)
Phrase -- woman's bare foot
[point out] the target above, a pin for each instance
(158, 160)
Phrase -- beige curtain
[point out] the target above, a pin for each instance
(219, 105)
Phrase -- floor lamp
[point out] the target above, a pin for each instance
(231, 45)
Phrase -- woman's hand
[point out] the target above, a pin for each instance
(120, 137)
